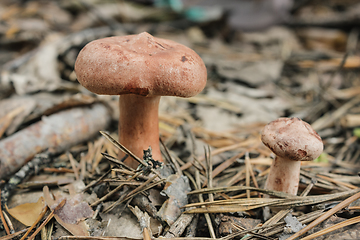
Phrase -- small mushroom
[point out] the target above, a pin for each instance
(141, 68)
(292, 141)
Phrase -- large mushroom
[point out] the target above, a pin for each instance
(140, 68)
(292, 141)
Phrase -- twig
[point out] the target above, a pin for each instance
(326, 215)
(251, 233)
(225, 165)
(72, 162)
(128, 196)
(125, 238)
(107, 195)
(13, 235)
(93, 183)
(192, 227)
(209, 177)
(224, 149)
(247, 173)
(122, 148)
(234, 205)
(9, 223)
(178, 227)
(201, 200)
(58, 131)
(329, 118)
(278, 227)
(333, 228)
(308, 187)
(127, 151)
(40, 160)
(117, 161)
(51, 215)
(144, 221)
(42, 214)
(3, 219)
(241, 188)
(175, 163)
(282, 213)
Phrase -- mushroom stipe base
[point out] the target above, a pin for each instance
(139, 126)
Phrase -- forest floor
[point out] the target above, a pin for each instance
(265, 60)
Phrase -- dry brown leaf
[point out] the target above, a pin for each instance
(71, 216)
(27, 213)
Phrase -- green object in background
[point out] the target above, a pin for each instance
(196, 14)
(356, 132)
(203, 14)
(193, 13)
(175, 5)
(323, 158)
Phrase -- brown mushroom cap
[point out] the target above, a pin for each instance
(140, 64)
(293, 139)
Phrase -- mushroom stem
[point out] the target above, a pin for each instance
(139, 126)
(284, 176)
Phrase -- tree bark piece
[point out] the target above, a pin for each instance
(57, 132)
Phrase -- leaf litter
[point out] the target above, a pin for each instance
(307, 67)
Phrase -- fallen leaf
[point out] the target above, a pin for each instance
(27, 213)
(72, 215)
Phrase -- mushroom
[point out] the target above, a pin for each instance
(292, 141)
(140, 68)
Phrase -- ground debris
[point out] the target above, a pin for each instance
(212, 182)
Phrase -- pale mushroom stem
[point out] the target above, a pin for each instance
(284, 176)
(139, 126)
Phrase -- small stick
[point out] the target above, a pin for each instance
(308, 187)
(38, 161)
(123, 238)
(73, 165)
(240, 228)
(49, 231)
(282, 213)
(51, 215)
(223, 149)
(333, 228)
(127, 151)
(7, 219)
(43, 234)
(97, 210)
(176, 164)
(122, 148)
(144, 220)
(117, 161)
(3, 219)
(107, 195)
(191, 229)
(201, 199)
(93, 183)
(247, 174)
(326, 215)
(209, 166)
(223, 166)
(346, 186)
(13, 235)
(179, 226)
(134, 194)
(42, 214)
(209, 172)
(58, 131)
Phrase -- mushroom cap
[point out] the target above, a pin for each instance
(292, 138)
(140, 64)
